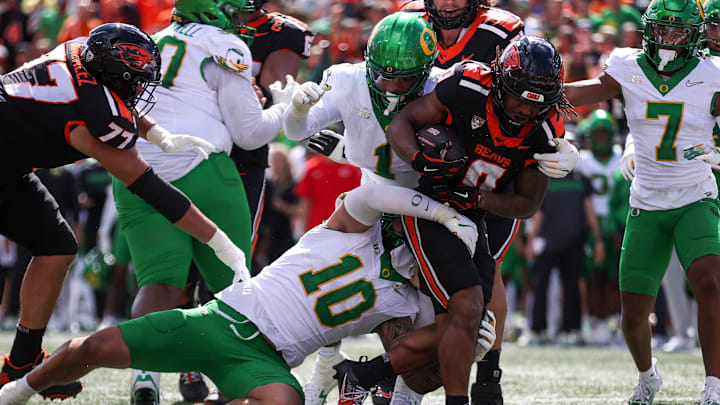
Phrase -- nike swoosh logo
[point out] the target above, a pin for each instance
(260, 34)
(428, 169)
(464, 226)
(690, 84)
(463, 195)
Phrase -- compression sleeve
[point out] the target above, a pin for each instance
(369, 201)
(249, 125)
(161, 195)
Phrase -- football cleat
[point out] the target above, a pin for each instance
(351, 393)
(382, 393)
(709, 396)
(145, 390)
(193, 387)
(216, 398)
(315, 394)
(487, 391)
(646, 389)
(11, 372)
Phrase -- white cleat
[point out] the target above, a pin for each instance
(646, 388)
(709, 396)
(315, 394)
(15, 393)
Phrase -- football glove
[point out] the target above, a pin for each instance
(178, 142)
(705, 152)
(465, 229)
(229, 254)
(306, 96)
(486, 335)
(330, 144)
(430, 163)
(280, 94)
(558, 164)
(627, 162)
(457, 196)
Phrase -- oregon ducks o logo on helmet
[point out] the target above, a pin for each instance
(389, 69)
(428, 43)
(671, 18)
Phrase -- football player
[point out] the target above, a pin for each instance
(81, 100)
(671, 104)
(280, 43)
(506, 116)
(338, 280)
(206, 90)
(599, 163)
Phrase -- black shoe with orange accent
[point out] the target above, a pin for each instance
(216, 398)
(193, 387)
(382, 392)
(487, 390)
(11, 372)
(351, 392)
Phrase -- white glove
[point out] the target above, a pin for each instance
(178, 142)
(306, 96)
(558, 164)
(486, 335)
(462, 227)
(280, 94)
(705, 152)
(330, 144)
(229, 254)
(627, 162)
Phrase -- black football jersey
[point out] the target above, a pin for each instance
(492, 28)
(275, 31)
(43, 100)
(494, 159)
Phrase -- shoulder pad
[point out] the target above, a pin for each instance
(228, 51)
(499, 18)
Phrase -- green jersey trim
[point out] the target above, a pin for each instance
(712, 104)
(664, 86)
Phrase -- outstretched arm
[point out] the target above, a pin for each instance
(591, 91)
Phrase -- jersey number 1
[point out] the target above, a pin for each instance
(346, 295)
(666, 151)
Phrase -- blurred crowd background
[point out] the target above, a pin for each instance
(302, 186)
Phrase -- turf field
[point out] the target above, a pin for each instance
(532, 375)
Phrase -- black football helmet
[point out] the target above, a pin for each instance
(125, 60)
(447, 19)
(531, 70)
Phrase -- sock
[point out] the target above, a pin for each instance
(648, 374)
(456, 400)
(489, 366)
(370, 372)
(323, 371)
(711, 381)
(27, 386)
(402, 388)
(27, 345)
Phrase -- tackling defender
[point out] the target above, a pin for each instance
(339, 280)
(670, 98)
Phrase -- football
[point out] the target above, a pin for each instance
(436, 134)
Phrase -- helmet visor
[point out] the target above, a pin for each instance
(712, 33)
(670, 35)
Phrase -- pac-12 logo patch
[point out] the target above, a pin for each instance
(476, 122)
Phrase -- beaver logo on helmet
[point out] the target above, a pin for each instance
(512, 60)
(135, 57)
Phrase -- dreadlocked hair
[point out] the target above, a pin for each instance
(564, 107)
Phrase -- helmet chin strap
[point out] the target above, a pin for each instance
(666, 56)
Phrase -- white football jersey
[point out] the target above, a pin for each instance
(186, 105)
(328, 286)
(366, 145)
(664, 117)
(600, 175)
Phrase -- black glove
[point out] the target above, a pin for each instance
(458, 196)
(430, 163)
(330, 144)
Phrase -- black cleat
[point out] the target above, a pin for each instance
(382, 392)
(351, 393)
(216, 398)
(193, 387)
(11, 372)
(487, 391)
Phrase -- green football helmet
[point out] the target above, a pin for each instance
(672, 32)
(401, 46)
(600, 129)
(229, 15)
(712, 26)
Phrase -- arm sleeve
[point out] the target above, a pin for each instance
(249, 125)
(368, 202)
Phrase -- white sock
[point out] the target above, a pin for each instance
(24, 383)
(327, 357)
(711, 381)
(648, 374)
(401, 387)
